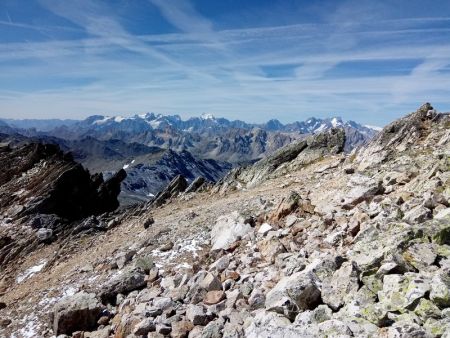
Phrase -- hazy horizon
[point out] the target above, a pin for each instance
(252, 60)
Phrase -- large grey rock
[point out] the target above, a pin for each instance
(363, 188)
(418, 214)
(44, 234)
(198, 315)
(400, 291)
(79, 312)
(341, 286)
(440, 288)
(227, 230)
(124, 283)
(294, 293)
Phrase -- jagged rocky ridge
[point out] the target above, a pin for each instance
(149, 169)
(45, 194)
(330, 245)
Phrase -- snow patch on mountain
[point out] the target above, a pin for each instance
(376, 128)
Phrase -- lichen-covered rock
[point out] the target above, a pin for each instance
(400, 291)
(294, 293)
(421, 255)
(340, 286)
(363, 188)
(427, 309)
(418, 214)
(440, 288)
(405, 329)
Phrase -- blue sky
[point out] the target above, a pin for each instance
(370, 61)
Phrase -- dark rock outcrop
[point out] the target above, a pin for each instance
(195, 185)
(45, 190)
(50, 182)
(176, 186)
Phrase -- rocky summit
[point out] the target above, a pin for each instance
(311, 241)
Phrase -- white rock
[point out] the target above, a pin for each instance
(265, 228)
(443, 213)
(227, 230)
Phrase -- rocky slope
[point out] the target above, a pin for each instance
(324, 244)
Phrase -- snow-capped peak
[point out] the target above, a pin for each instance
(207, 116)
(336, 122)
(103, 120)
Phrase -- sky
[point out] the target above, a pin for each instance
(253, 60)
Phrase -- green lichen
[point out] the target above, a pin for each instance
(427, 309)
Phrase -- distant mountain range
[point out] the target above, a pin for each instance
(206, 136)
(154, 148)
(197, 124)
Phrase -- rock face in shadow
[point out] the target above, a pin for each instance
(45, 195)
(40, 179)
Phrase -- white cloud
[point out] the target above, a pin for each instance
(200, 69)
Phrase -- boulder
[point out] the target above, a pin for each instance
(400, 291)
(292, 294)
(122, 283)
(339, 287)
(363, 188)
(79, 312)
(227, 230)
(421, 255)
(418, 214)
(440, 288)
(44, 234)
(198, 315)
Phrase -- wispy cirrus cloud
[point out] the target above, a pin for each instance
(338, 65)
